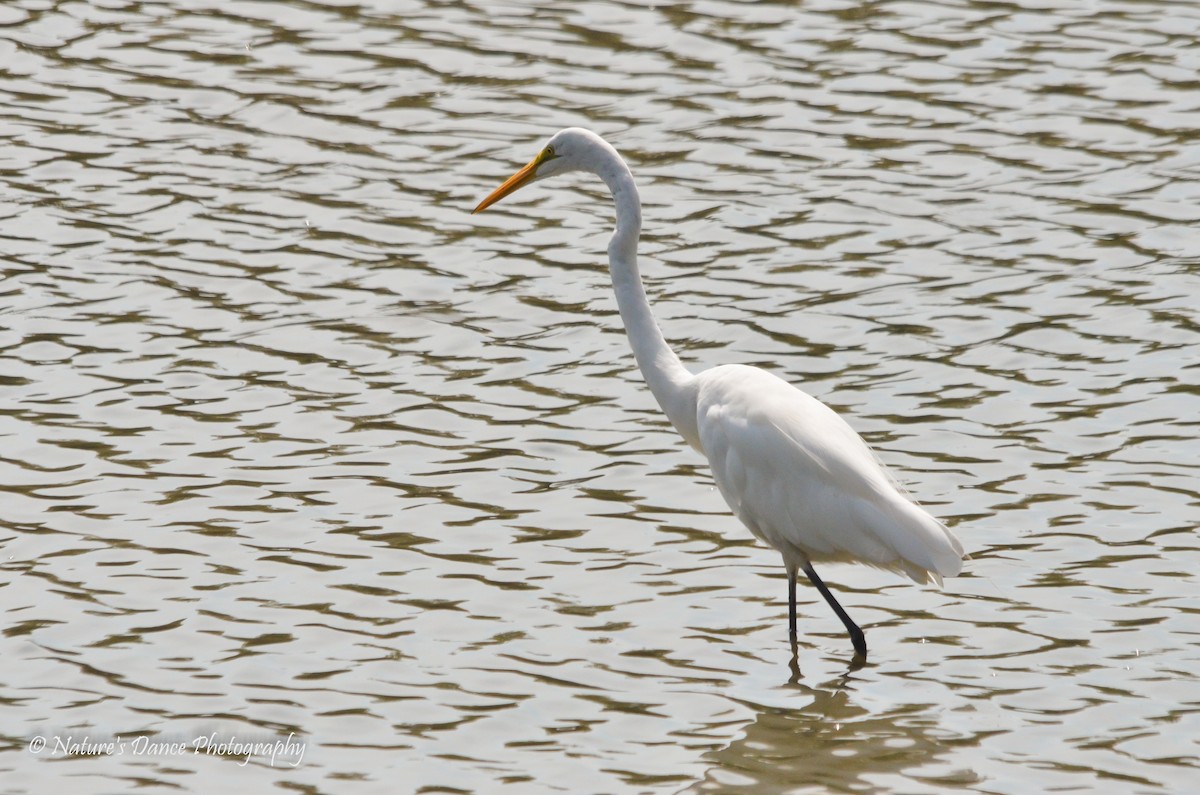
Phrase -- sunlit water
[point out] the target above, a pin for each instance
(292, 444)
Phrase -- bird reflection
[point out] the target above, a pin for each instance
(830, 743)
(794, 665)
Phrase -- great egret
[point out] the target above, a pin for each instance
(791, 469)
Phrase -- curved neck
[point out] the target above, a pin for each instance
(670, 382)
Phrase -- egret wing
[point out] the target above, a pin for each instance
(804, 482)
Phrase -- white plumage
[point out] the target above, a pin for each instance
(790, 468)
(805, 483)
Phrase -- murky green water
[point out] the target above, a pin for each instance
(292, 444)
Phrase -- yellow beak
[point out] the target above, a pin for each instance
(518, 180)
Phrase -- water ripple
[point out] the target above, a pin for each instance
(292, 443)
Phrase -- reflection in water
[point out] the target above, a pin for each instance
(291, 442)
(833, 745)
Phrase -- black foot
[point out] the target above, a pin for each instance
(860, 643)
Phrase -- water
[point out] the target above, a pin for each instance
(294, 445)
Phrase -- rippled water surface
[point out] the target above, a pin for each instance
(291, 443)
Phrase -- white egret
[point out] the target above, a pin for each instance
(790, 468)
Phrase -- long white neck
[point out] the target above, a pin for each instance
(672, 385)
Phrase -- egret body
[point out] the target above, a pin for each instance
(790, 468)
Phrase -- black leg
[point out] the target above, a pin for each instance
(792, 606)
(856, 635)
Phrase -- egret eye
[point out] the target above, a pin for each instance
(549, 152)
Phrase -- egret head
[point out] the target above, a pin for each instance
(568, 150)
